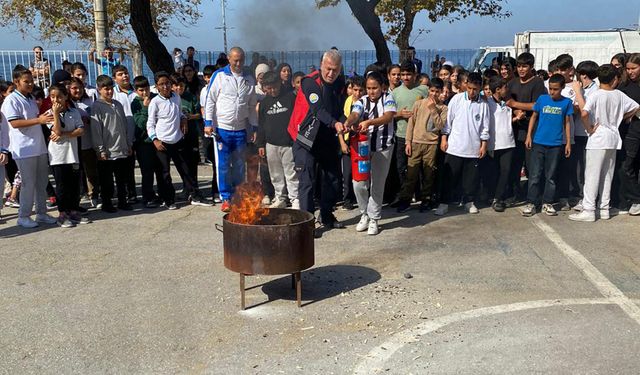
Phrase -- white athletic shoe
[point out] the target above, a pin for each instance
(46, 219)
(471, 208)
(604, 215)
(266, 201)
(278, 203)
(549, 210)
(578, 207)
(442, 209)
(363, 224)
(373, 227)
(529, 209)
(588, 216)
(635, 209)
(295, 204)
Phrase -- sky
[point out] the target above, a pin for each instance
(268, 25)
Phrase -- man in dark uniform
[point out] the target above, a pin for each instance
(322, 94)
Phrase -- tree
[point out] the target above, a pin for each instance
(400, 15)
(158, 58)
(54, 21)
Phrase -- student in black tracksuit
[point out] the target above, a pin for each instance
(321, 93)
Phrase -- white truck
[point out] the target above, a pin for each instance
(598, 46)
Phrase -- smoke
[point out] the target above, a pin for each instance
(285, 25)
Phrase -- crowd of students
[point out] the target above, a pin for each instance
(458, 137)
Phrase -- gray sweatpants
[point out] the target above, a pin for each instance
(282, 172)
(35, 175)
(370, 194)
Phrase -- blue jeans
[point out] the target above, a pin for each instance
(229, 152)
(544, 161)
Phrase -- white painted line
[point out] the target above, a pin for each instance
(374, 361)
(600, 281)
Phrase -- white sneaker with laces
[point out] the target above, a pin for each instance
(604, 215)
(549, 210)
(471, 208)
(363, 224)
(46, 219)
(278, 203)
(373, 227)
(442, 209)
(266, 200)
(635, 209)
(295, 204)
(578, 207)
(27, 222)
(529, 209)
(586, 216)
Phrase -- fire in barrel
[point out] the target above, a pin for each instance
(265, 241)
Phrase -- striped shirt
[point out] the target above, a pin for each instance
(381, 137)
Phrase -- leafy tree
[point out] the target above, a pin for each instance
(399, 15)
(158, 58)
(54, 21)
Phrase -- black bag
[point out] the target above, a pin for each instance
(308, 131)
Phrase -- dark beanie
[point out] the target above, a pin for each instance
(60, 76)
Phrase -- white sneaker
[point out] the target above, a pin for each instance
(266, 200)
(529, 209)
(549, 210)
(295, 204)
(471, 208)
(635, 209)
(588, 216)
(617, 212)
(442, 209)
(578, 207)
(604, 215)
(46, 219)
(27, 222)
(373, 227)
(363, 224)
(278, 203)
(216, 199)
(564, 205)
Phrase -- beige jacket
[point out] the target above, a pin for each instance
(425, 125)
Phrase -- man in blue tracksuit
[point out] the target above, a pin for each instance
(231, 118)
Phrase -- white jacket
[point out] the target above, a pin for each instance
(231, 102)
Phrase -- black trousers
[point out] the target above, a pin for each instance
(175, 152)
(457, 168)
(631, 166)
(519, 160)
(107, 170)
(192, 150)
(401, 159)
(131, 178)
(67, 178)
(149, 167)
(328, 161)
(347, 184)
(502, 160)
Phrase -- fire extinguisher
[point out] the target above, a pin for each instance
(360, 156)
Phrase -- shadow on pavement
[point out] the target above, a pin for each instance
(321, 283)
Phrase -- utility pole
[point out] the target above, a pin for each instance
(224, 27)
(101, 24)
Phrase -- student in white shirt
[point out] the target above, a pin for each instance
(501, 139)
(376, 110)
(166, 126)
(464, 140)
(66, 127)
(28, 149)
(602, 114)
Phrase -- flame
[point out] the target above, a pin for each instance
(246, 204)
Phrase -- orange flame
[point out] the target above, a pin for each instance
(246, 204)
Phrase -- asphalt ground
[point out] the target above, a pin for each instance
(146, 292)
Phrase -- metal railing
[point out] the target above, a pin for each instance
(354, 61)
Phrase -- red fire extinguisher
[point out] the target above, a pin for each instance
(360, 156)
